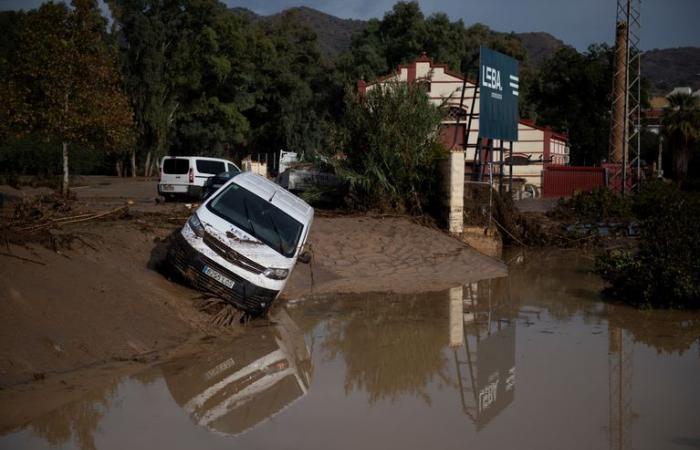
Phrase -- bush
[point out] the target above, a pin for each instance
(599, 205)
(665, 269)
(391, 149)
(37, 157)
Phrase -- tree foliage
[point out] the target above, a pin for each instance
(390, 147)
(665, 270)
(404, 33)
(572, 95)
(681, 127)
(64, 84)
(206, 80)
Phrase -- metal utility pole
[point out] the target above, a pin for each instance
(625, 126)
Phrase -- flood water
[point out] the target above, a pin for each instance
(532, 360)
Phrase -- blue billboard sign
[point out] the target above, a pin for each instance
(498, 98)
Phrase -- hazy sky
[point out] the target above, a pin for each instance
(665, 23)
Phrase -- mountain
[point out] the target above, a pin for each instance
(334, 34)
(665, 69)
(672, 67)
(539, 46)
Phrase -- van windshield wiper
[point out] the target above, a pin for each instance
(247, 216)
(277, 231)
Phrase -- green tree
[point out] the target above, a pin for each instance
(291, 87)
(212, 89)
(189, 73)
(391, 146)
(572, 95)
(404, 33)
(64, 84)
(664, 271)
(681, 126)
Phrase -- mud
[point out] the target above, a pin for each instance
(103, 298)
(531, 360)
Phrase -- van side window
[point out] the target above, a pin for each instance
(176, 166)
(230, 168)
(211, 167)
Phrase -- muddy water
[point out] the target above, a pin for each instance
(533, 360)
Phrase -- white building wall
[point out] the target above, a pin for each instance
(446, 88)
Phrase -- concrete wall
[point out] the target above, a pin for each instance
(453, 169)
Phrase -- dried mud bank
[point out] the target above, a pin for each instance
(104, 301)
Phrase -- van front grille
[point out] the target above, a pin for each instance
(231, 255)
(250, 298)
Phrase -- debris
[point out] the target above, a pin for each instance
(222, 313)
(21, 258)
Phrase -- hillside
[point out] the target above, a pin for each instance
(539, 46)
(665, 68)
(334, 34)
(672, 67)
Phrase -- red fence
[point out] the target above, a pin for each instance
(565, 181)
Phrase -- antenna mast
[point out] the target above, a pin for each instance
(625, 126)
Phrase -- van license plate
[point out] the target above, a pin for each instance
(168, 187)
(218, 277)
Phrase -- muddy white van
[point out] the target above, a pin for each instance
(242, 243)
(186, 175)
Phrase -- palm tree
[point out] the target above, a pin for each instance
(681, 126)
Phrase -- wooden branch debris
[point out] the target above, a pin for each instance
(75, 219)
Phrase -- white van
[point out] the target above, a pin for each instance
(185, 175)
(243, 242)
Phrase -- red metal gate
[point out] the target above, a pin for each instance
(565, 181)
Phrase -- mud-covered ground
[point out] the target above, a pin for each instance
(103, 300)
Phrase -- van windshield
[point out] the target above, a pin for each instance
(258, 218)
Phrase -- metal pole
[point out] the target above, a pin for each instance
(459, 114)
(477, 147)
(510, 164)
(625, 144)
(500, 168)
(659, 169)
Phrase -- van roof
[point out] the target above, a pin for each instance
(210, 158)
(277, 195)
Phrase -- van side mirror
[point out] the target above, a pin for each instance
(304, 257)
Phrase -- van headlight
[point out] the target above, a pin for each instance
(196, 225)
(276, 274)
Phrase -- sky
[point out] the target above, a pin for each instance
(665, 23)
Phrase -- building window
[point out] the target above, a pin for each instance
(456, 112)
(425, 85)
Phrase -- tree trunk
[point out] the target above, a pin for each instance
(133, 163)
(681, 156)
(147, 166)
(64, 186)
(119, 168)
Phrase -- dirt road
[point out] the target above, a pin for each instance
(103, 301)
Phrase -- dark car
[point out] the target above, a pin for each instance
(214, 183)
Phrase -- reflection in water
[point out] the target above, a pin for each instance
(391, 346)
(234, 388)
(439, 367)
(485, 364)
(620, 364)
(670, 331)
(76, 422)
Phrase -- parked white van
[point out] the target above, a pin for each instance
(243, 242)
(185, 175)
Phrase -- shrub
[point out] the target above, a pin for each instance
(665, 269)
(391, 149)
(598, 205)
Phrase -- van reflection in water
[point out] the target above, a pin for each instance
(233, 389)
(482, 336)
